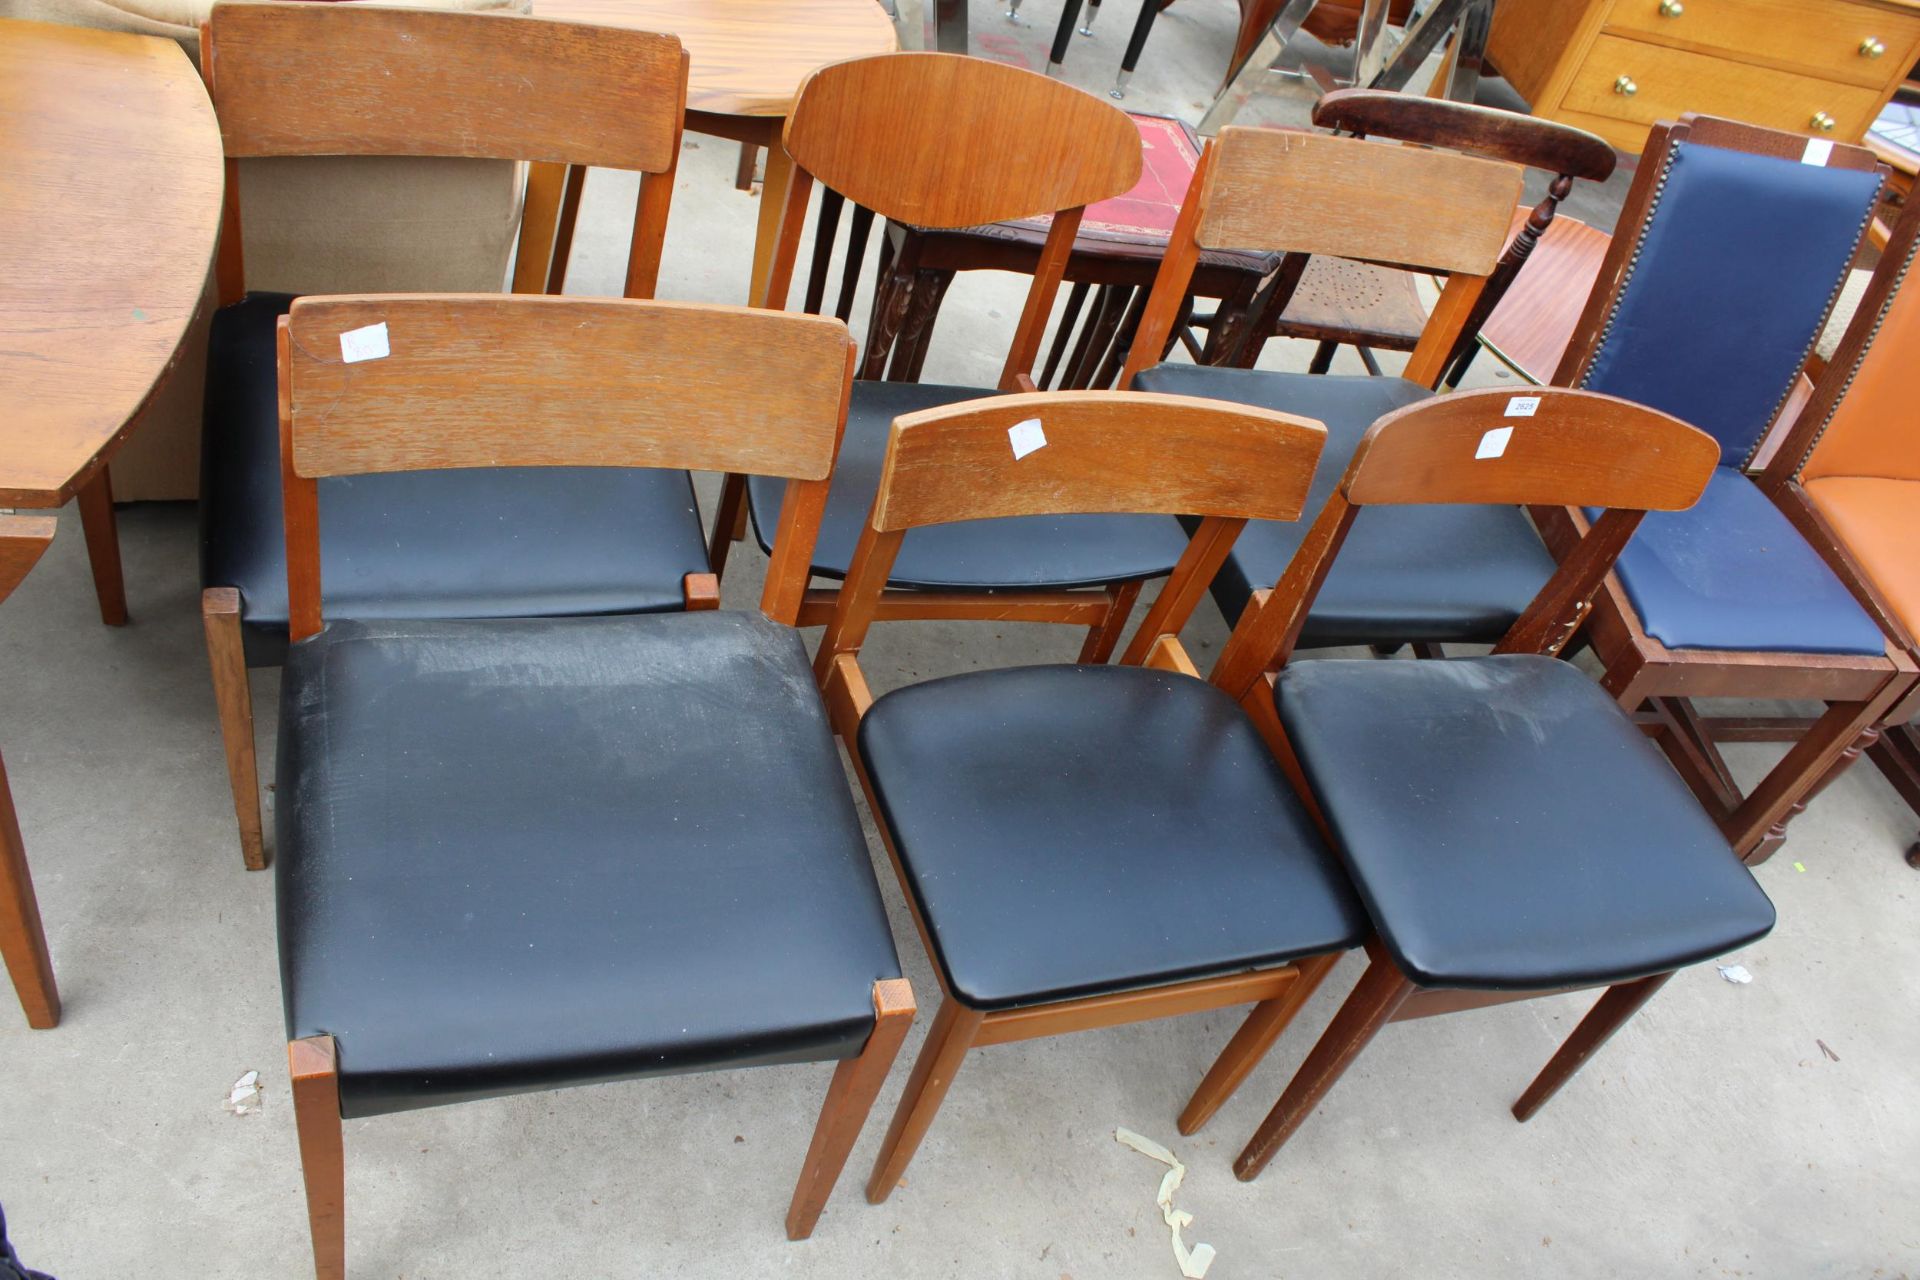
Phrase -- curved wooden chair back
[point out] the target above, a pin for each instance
(1547, 448)
(295, 79)
(1278, 190)
(944, 140)
(1068, 452)
(488, 380)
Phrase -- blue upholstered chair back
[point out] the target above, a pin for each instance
(1736, 267)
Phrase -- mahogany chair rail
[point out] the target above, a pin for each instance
(23, 942)
(670, 930)
(297, 79)
(1757, 231)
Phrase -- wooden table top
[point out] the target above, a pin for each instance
(747, 57)
(108, 217)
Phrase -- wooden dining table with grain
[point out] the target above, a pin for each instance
(108, 220)
(746, 59)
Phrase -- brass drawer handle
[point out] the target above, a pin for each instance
(1823, 122)
(1671, 8)
(1871, 48)
(1625, 87)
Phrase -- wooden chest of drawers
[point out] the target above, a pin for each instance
(1823, 67)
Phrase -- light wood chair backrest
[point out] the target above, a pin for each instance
(1278, 190)
(1068, 452)
(489, 380)
(298, 79)
(1548, 448)
(23, 540)
(943, 140)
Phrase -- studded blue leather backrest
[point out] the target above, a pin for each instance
(1737, 265)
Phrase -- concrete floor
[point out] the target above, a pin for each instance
(1714, 1137)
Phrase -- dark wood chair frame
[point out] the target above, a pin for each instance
(1601, 452)
(1559, 149)
(1892, 742)
(1086, 177)
(23, 941)
(301, 80)
(1659, 685)
(574, 356)
(1230, 462)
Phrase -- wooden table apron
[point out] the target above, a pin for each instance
(107, 226)
(747, 59)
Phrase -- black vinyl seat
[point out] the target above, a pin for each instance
(1444, 572)
(1509, 828)
(522, 854)
(482, 543)
(1071, 831)
(1023, 552)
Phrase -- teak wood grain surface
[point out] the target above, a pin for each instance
(107, 225)
(748, 56)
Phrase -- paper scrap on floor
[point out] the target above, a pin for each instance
(1195, 1261)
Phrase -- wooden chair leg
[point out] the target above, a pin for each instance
(1381, 991)
(729, 522)
(1757, 826)
(314, 1068)
(95, 501)
(1251, 1042)
(856, 1082)
(953, 1031)
(700, 591)
(1607, 1016)
(220, 615)
(1105, 637)
(23, 943)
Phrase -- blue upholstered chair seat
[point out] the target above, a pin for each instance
(1732, 573)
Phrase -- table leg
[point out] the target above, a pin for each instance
(949, 25)
(95, 500)
(773, 203)
(23, 944)
(1244, 78)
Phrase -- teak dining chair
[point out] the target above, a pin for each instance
(941, 140)
(1731, 248)
(1847, 474)
(1337, 301)
(517, 854)
(23, 942)
(1510, 830)
(1410, 574)
(1061, 832)
(336, 79)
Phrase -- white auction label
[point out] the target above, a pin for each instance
(1494, 443)
(1026, 437)
(1818, 151)
(1523, 406)
(367, 343)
